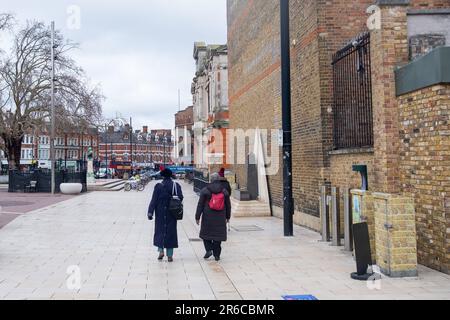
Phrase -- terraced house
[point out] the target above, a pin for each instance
(71, 148)
(371, 95)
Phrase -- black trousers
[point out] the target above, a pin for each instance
(214, 246)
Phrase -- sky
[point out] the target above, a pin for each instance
(139, 51)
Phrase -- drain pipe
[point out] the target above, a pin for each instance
(388, 226)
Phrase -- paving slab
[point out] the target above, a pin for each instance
(106, 238)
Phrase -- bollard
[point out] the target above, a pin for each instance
(348, 233)
(324, 214)
(335, 211)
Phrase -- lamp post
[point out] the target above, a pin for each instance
(52, 134)
(106, 147)
(151, 148)
(286, 115)
(164, 149)
(131, 142)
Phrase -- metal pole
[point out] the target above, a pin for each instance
(324, 213)
(164, 150)
(52, 135)
(335, 207)
(106, 148)
(131, 142)
(286, 114)
(348, 236)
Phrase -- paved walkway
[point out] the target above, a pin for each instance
(107, 236)
(14, 204)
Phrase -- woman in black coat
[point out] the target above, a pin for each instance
(166, 236)
(225, 184)
(213, 223)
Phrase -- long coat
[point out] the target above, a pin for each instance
(166, 235)
(226, 185)
(214, 223)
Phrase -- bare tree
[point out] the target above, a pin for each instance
(6, 20)
(26, 85)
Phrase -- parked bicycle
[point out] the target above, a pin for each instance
(134, 185)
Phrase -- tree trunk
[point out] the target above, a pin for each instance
(14, 149)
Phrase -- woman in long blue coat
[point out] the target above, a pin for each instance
(166, 236)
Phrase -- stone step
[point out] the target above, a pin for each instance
(116, 185)
(250, 209)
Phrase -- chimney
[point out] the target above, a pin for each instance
(145, 129)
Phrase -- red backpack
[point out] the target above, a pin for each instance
(217, 202)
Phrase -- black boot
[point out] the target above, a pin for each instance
(208, 255)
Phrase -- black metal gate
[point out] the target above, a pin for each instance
(353, 115)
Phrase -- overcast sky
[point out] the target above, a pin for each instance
(140, 51)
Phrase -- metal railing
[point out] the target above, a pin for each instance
(353, 112)
(201, 180)
(19, 180)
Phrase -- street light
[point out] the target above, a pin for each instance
(52, 135)
(106, 147)
(164, 149)
(287, 123)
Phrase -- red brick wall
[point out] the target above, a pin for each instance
(254, 73)
(424, 4)
(319, 28)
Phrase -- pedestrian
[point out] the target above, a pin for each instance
(226, 185)
(214, 210)
(166, 235)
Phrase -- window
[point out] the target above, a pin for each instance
(44, 154)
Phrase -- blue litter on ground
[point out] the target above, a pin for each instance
(301, 297)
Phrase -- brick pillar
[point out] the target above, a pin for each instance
(389, 47)
(395, 235)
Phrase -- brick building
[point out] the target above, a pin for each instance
(184, 137)
(383, 131)
(71, 147)
(122, 149)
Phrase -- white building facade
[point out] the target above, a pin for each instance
(210, 95)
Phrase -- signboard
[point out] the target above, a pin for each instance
(356, 209)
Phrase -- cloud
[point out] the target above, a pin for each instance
(140, 51)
